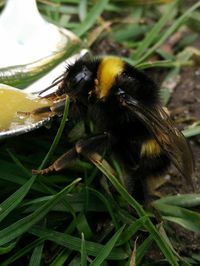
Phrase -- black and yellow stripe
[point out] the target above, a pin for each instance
(109, 69)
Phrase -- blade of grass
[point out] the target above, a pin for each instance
(150, 2)
(13, 201)
(83, 226)
(58, 135)
(167, 239)
(143, 248)
(103, 166)
(168, 32)
(184, 217)
(183, 200)
(187, 40)
(165, 95)
(184, 223)
(165, 55)
(23, 251)
(106, 202)
(105, 251)
(129, 32)
(18, 228)
(130, 231)
(83, 251)
(82, 9)
(36, 256)
(74, 243)
(10, 175)
(194, 21)
(91, 17)
(196, 257)
(74, 261)
(61, 258)
(19, 164)
(165, 64)
(191, 132)
(6, 249)
(153, 33)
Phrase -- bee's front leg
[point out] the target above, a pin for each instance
(86, 147)
(57, 108)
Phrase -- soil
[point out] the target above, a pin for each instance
(185, 106)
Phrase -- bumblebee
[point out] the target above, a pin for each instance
(124, 105)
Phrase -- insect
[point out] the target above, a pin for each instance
(124, 105)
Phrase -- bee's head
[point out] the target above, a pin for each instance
(78, 80)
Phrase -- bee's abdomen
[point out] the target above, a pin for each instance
(153, 160)
(150, 148)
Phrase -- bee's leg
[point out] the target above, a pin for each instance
(57, 108)
(85, 147)
(154, 183)
(62, 162)
(99, 143)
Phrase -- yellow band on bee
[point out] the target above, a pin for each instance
(109, 69)
(150, 148)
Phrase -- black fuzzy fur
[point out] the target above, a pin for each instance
(108, 115)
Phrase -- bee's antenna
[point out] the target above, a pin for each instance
(54, 83)
(61, 76)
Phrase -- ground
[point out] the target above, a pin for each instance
(184, 107)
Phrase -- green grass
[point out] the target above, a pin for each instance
(84, 215)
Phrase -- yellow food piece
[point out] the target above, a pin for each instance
(12, 102)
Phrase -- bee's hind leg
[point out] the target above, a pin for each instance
(85, 147)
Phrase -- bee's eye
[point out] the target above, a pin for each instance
(78, 78)
(83, 76)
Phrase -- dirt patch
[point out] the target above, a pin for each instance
(185, 109)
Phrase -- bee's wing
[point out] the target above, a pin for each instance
(170, 139)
